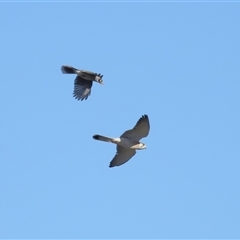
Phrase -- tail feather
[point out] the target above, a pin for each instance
(102, 138)
(68, 69)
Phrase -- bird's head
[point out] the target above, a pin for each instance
(142, 146)
(98, 78)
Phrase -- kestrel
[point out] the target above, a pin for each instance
(128, 142)
(83, 81)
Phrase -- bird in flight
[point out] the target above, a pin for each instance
(128, 142)
(83, 82)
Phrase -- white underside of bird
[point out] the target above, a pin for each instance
(122, 141)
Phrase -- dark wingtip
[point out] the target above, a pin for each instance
(96, 137)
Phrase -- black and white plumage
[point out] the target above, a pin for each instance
(83, 82)
(128, 142)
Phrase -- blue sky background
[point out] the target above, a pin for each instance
(176, 62)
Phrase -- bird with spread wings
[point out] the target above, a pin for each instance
(128, 142)
(83, 82)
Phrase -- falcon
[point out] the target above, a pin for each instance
(128, 142)
(83, 82)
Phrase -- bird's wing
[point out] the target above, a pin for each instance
(122, 156)
(140, 130)
(82, 88)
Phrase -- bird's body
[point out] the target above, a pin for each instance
(83, 81)
(128, 142)
(122, 141)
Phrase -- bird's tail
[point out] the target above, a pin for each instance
(102, 138)
(68, 69)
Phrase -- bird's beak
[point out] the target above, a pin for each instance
(102, 83)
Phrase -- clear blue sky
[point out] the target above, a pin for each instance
(176, 62)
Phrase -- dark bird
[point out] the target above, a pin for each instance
(83, 81)
(128, 142)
